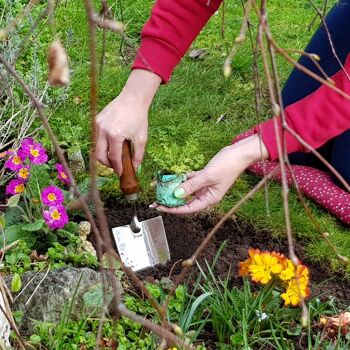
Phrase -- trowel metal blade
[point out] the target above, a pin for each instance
(146, 248)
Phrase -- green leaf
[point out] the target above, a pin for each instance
(13, 201)
(154, 290)
(84, 186)
(34, 226)
(2, 221)
(16, 283)
(15, 232)
(13, 215)
(93, 297)
(237, 339)
(35, 338)
(189, 317)
(180, 292)
(294, 329)
(110, 262)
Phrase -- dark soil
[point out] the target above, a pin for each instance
(184, 235)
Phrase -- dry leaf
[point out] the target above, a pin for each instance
(333, 324)
(58, 65)
(341, 320)
(197, 53)
(35, 257)
(77, 100)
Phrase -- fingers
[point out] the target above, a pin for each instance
(191, 174)
(102, 150)
(115, 146)
(196, 182)
(197, 204)
(139, 150)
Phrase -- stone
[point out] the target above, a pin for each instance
(55, 291)
(84, 230)
(76, 161)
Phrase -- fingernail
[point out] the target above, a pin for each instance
(179, 192)
(152, 206)
(138, 169)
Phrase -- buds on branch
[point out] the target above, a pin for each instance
(109, 24)
(58, 65)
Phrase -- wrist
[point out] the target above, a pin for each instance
(252, 149)
(141, 86)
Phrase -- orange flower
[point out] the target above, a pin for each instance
(298, 286)
(288, 271)
(293, 294)
(244, 266)
(263, 266)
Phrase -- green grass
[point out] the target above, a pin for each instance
(187, 108)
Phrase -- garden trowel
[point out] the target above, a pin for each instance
(142, 243)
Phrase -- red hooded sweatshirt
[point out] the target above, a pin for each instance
(167, 36)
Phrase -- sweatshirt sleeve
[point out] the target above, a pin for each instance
(169, 32)
(317, 118)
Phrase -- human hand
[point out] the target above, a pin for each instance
(126, 118)
(209, 185)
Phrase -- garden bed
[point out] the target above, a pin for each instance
(185, 233)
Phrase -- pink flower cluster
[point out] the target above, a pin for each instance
(33, 153)
(55, 215)
(29, 153)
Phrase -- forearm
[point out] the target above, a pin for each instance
(141, 86)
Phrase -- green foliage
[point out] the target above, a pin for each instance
(173, 157)
(126, 334)
(248, 318)
(39, 178)
(61, 256)
(72, 335)
(19, 260)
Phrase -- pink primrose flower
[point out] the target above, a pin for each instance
(15, 186)
(62, 174)
(15, 162)
(52, 196)
(35, 151)
(55, 217)
(23, 173)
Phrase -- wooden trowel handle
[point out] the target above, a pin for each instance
(129, 184)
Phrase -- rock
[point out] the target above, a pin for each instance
(84, 230)
(76, 161)
(56, 291)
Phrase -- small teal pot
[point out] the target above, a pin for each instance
(166, 185)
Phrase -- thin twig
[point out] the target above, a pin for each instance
(5, 249)
(37, 287)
